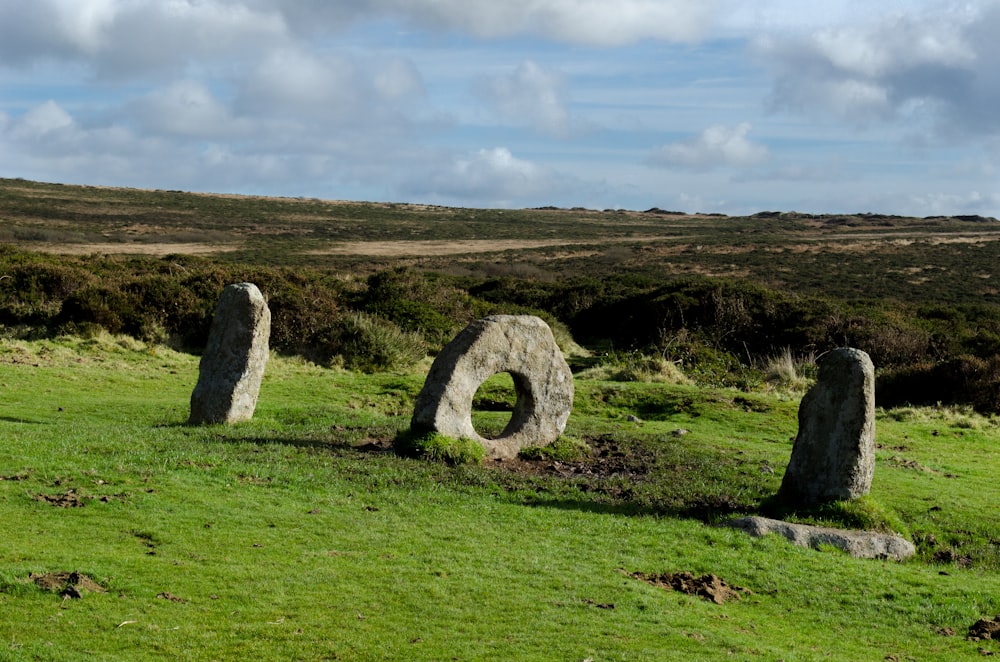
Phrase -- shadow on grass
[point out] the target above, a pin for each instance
(26, 421)
(707, 512)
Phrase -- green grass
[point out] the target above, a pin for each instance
(297, 536)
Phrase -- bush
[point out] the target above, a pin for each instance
(963, 380)
(417, 303)
(368, 344)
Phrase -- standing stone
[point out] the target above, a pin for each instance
(233, 363)
(521, 345)
(834, 453)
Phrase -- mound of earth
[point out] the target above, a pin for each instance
(66, 584)
(985, 629)
(709, 587)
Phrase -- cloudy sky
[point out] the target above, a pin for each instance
(730, 106)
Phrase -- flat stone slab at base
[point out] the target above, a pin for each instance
(859, 544)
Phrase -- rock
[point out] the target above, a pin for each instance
(834, 453)
(521, 345)
(860, 544)
(233, 364)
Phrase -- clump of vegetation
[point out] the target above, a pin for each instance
(437, 447)
(785, 372)
(369, 344)
(635, 366)
(563, 449)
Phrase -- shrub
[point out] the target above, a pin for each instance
(417, 303)
(368, 344)
(961, 380)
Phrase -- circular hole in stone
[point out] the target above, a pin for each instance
(493, 405)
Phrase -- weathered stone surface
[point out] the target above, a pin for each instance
(860, 544)
(233, 364)
(521, 345)
(834, 453)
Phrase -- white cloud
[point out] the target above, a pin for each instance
(41, 122)
(331, 90)
(934, 64)
(529, 95)
(124, 38)
(715, 147)
(186, 108)
(493, 175)
(397, 79)
(129, 38)
(590, 22)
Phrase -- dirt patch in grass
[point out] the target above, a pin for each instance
(66, 584)
(73, 499)
(170, 597)
(985, 628)
(609, 458)
(68, 499)
(709, 587)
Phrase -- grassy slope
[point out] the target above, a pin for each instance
(283, 540)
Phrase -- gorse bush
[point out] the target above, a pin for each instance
(369, 344)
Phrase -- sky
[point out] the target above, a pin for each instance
(721, 106)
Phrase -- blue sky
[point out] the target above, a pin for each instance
(694, 105)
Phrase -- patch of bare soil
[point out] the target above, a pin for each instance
(985, 629)
(72, 499)
(708, 587)
(68, 499)
(609, 458)
(950, 556)
(170, 597)
(66, 584)
(155, 249)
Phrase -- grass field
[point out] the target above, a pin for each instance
(300, 536)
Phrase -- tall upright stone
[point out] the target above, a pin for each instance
(834, 453)
(232, 366)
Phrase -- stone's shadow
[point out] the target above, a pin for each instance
(26, 421)
(702, 512)
(374, 447)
